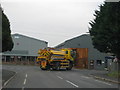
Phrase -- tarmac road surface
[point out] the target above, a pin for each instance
(34, 77)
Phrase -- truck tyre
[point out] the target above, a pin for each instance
(57, 66)
(70, 66)
(46, 68)
(43, 68)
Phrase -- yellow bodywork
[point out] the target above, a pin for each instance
(58, 52)
(63, 52)
(49, 56)
(68, 54)
(39, 58)
(42, 60)
(43, 64)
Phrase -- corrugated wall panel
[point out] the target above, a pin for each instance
(81, 60)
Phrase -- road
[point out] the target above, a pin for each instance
(34, 77)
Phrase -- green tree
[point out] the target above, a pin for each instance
(105, 28)
(7, 43)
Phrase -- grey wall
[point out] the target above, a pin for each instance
(26, 45)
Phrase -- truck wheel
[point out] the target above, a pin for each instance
(43, 68)
(54, 68)
(46, 68)
(57, 66)
(70, 66)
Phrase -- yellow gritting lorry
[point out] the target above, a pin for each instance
(56, 59)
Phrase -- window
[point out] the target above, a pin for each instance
(99, 62)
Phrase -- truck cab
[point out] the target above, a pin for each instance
(55, 59)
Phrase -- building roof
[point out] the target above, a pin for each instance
(29, 37)
(62, 44)
(78, 37)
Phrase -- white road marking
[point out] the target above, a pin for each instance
(84, 77)
(26, 75)
(24, 82)
(59, 77)
(10, 79)
(72, 83)
(103, 82)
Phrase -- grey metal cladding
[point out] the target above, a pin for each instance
(25, 45)
(17, 52)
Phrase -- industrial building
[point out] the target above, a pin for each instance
(96, 59)
(25, 50)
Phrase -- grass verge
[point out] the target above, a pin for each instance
(114, 74)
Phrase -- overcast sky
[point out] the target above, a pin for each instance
(53, 21)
